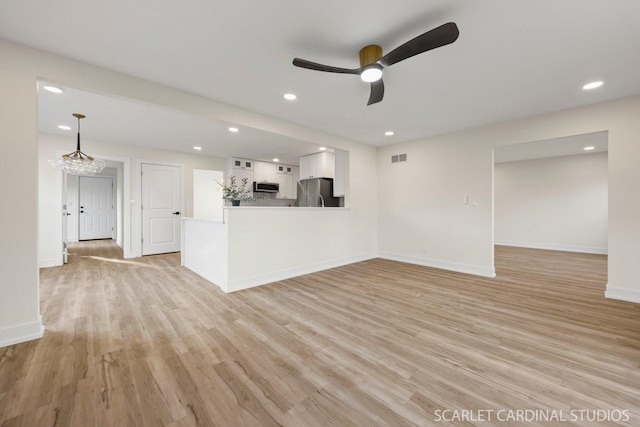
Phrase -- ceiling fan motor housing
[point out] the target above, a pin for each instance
(370, 54)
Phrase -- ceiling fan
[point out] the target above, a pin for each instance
(372, 62)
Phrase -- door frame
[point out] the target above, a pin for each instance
(137, 207)
(126, 214)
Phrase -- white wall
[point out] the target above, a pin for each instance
(557, 203)
(422, 217)
(21, 69)
(207, 194)
(49, 192)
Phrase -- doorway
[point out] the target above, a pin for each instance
(64, 189)
(553, 194)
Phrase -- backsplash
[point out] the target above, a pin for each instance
(266, 201)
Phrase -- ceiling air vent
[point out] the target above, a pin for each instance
(394, 159)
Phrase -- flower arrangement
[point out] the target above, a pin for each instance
(233, 191)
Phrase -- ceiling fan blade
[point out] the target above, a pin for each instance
(303, 63)
(440, 36)
(377, 92)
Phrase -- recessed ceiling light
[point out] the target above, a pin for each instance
(322, 148)
(593, 85)
(197, 148)
(589, 148)
(276, 160)
(389, 133)
(290, 96)
(63, 127)
(233, 129)
(52, 89)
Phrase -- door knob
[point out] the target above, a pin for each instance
(176, 213)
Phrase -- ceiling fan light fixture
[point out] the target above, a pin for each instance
(371, 73)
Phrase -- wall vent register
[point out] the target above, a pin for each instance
(398, 158)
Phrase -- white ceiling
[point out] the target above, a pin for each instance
(123, 121)
(512, 59)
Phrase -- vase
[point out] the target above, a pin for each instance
(235, 203)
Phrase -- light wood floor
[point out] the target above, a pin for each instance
(146, 342)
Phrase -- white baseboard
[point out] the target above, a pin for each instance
(246, 283)
(119, 243)
(553, 247)
(48, 262)
(630, 295)
(21, 333)
(444, 265)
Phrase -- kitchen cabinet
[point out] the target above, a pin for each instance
(241, 168)
(285, 169)
(285, 183)
(242, 164)
(264, 172)
(287, 178)
(319, 165)
(240, 174)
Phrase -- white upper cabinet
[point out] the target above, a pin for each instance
(264, 172)
(240, 169)
(241, 164)
(285, 169)
(319, 165)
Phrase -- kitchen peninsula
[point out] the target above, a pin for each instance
(259, 245)
(255, 245)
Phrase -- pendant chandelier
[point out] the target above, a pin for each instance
(77, 162)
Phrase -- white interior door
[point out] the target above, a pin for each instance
(161, 201)
(96, 209)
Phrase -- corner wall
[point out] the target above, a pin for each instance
(19, 295)
(422, 216)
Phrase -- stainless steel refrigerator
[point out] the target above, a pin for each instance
(317, 192)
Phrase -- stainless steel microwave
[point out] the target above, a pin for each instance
(266, 187)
